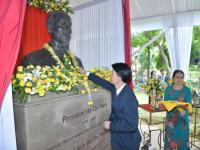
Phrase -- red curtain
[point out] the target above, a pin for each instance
(11, 22)
(127, 34)
(34, 33)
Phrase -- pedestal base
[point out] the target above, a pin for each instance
(63, 122)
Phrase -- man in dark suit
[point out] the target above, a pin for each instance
(123, 121)
(163, 76)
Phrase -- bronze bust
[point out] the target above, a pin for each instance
(59, 26)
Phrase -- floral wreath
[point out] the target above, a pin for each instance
(37, 80)
(85, 83)
(51, 5)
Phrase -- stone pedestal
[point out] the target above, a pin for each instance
(63, 122)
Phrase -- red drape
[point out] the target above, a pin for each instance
(11, 22)
(127, 34)
(34, 33)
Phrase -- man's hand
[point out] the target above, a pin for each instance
(82, 70)
(106, 125)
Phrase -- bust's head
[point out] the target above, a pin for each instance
(59, 26)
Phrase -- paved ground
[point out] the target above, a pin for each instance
(153, 145)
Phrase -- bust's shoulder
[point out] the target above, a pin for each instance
(39, 57)
(38, 53)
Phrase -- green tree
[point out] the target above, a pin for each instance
(195, 50)
(161, 60)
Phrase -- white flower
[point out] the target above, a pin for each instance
(28, 77)
(33, 91)
(36, 73)
(61, 88)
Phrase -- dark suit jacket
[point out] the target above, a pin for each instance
(124, 116)
(166, 78)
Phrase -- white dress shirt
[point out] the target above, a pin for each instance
(120, 89)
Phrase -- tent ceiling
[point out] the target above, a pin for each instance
(149, 14)
(75, 3)
(141, 9)
(159, 14)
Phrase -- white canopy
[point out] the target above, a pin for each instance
(150, 14)
(177, 16)
(157, 14)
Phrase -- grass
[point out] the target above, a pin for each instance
(143, 99)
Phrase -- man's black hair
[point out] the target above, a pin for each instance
(123, 70)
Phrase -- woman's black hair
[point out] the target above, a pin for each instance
(177, 71)
(123, 70)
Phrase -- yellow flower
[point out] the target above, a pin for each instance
(41, 93)
(58, 73)
(38, 67)
(40, 88)
(20, 68)
(57, 69)
(85, 78)
(82, 91)
(13, 81)
(48, 80)
(38, 82)
(22, 83)
(92, 70)
(57, 82)
(43, 76)
(34, 79)
(70, 73)
(52, 4)
(30, 67)
(50, 74)
(28, 90)
(29, 84)
(63, 75)
(85, 84)
(19, 76)
(68, 87)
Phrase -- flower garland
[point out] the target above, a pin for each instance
(51, 5)
(71, 55)
(37, 80)
(53, 54)
(85, 81)
(73, 60)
